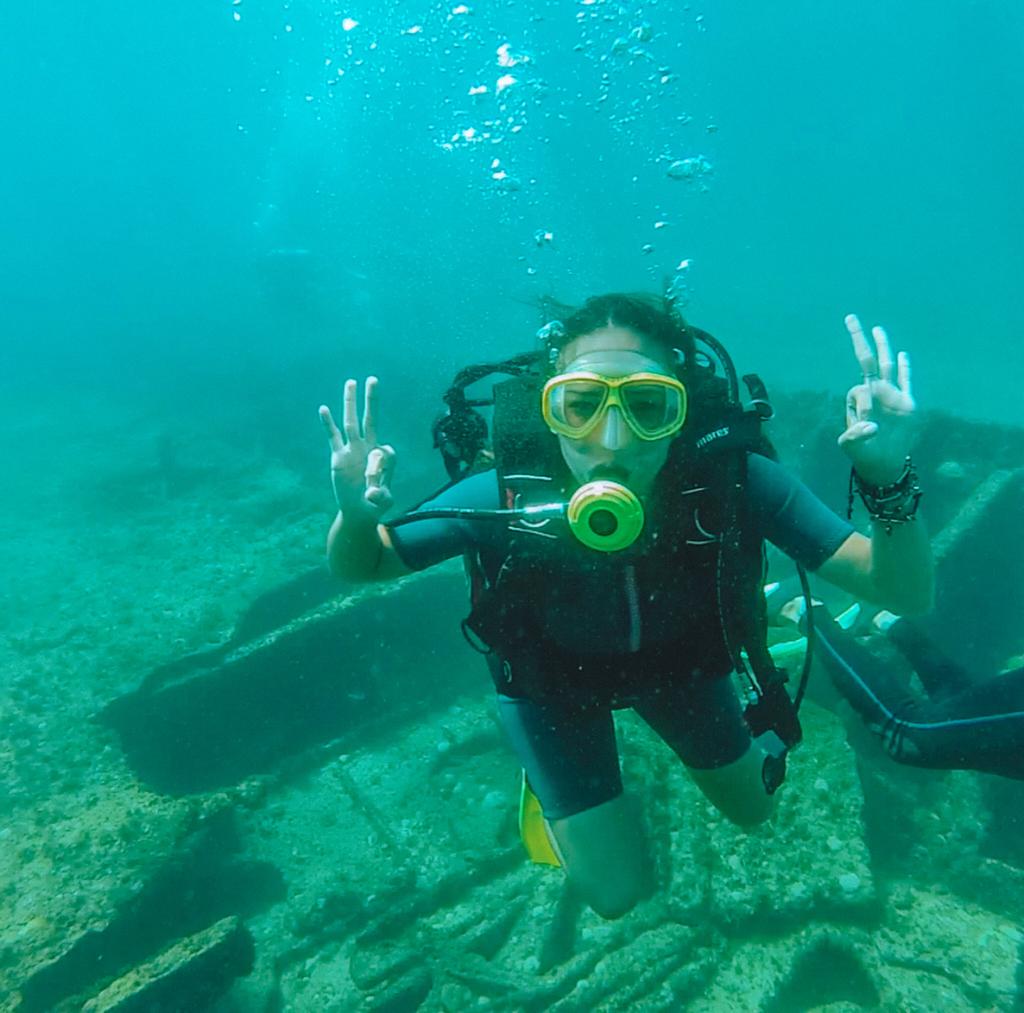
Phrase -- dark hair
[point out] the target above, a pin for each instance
(650, 316)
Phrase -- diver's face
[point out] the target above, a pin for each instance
(613, 451)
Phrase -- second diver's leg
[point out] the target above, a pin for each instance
(939, 674)
(978, 728)
(866, 682)
(572, 763)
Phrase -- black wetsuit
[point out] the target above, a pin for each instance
(637, 628)
(962, 724)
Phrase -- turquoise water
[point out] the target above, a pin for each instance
(214, 213)
(863, 158)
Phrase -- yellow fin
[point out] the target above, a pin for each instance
(532, 830)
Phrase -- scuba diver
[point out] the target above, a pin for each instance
(614, 535)
(962, 721)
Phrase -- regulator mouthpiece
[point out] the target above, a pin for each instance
(605, 516)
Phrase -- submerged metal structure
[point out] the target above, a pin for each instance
(320, 815)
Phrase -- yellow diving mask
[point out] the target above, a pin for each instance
(653, 405)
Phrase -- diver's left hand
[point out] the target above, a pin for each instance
(879, 411)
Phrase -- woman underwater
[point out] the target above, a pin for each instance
(580, 632)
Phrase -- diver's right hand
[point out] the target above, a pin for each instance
(361, 468)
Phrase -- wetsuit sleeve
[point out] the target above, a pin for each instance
(790, 516)
(425, 543)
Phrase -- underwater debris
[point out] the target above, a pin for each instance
(690, 170)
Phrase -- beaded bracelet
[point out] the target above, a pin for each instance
(891, 504)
